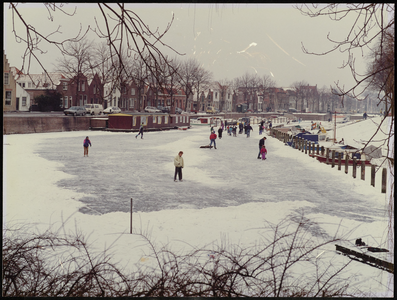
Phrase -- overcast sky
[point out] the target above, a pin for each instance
(228, 40)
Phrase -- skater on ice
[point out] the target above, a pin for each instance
(86, 143)
(263, 152)
(179, 164)
(213, 138)
(261, 143)
(140, 131)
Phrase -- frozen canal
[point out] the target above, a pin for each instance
(120, 167)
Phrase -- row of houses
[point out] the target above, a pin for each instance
(20, 90)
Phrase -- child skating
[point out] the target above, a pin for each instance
(263, 152)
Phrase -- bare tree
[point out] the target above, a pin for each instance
(169, 78)
(75, 63)
(187, 79)
(223, 86)
(300, 93)
(203, 79)
(123, 30)
(140, 74)
(284, 262)
(249, 84)
(267, 82)
(101, 64)
(381, 65)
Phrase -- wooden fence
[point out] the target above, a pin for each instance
(312, 149)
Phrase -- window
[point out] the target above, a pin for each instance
(132, 91)
(159, 119)
(65, 86)
(29, 84)
(65, 102)
(85, 99)
(216, 95)
(23, 84)
(8, 97)
(81, 100)
(165, 119)
(154, 119)
(23, 101)
(83, 86)
(6, 78)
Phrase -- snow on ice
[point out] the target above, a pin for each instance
(226, 193)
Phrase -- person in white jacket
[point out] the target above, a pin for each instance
(178, 162)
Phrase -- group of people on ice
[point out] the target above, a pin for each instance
(233, 129)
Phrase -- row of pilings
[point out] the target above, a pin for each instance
(331, 157)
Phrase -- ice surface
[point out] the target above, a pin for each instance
(227, 191)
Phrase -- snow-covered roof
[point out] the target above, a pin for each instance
(42, 81)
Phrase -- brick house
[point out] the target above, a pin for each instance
(129, 97)
(77, 91)
(9, 87)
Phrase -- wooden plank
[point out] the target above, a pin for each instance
(367, 259)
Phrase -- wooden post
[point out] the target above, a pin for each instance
(318, 148)
(384, 177)
(346, 162)
(373, 175)
(363, 170)
(333, 159)
(327, 156)
(131, 216)
(354, 167)
(306, 144)
(339, 161)
(310, 148)
(322, 150)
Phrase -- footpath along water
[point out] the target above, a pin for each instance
(120, 167)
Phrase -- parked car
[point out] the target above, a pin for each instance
(112, 110)
(94, 109)
(164, 109)
(75, 111)
(178, 110)
(151, 109)
(210, 110)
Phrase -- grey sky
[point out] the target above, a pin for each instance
(228, 40)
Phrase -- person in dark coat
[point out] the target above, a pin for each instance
(261, 143)
(220, 132)
(140, 131)
(240, 127)
(249, 129)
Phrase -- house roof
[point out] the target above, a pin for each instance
(42, 81)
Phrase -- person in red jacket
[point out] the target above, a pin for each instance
(263, 152)
(213, 138)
